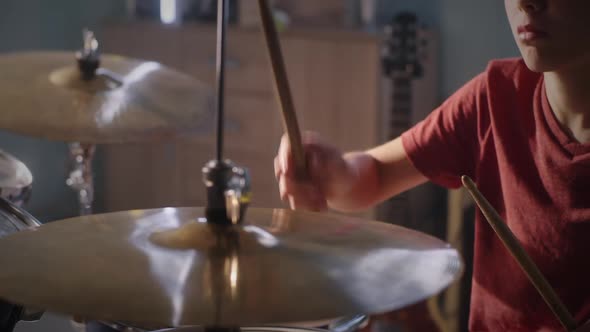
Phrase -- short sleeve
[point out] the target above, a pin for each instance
(445, 145)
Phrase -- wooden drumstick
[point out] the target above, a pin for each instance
(282, 88)
(523, 259)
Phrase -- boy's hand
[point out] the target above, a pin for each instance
(328, 174)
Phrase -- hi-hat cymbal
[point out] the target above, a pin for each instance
(43, 95)
(169, 267)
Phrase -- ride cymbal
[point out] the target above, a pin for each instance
(170, 267)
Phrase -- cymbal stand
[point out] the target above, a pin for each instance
(227, 185)
(81, 155)
(81, 175)
(225, 261)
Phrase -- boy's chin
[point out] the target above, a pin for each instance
(539, 65)
(542, 61)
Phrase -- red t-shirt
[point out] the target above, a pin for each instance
(500, 130)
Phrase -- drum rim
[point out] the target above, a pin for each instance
(254, 329)
(13, 210)
(359, 319)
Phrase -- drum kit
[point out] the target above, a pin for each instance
(223, 267)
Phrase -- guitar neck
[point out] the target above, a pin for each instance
(397, 208)
(400, 64)
(401, 111)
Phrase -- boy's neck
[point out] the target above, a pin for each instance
(568, 92)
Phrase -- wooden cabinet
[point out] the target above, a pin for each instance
(334, 76)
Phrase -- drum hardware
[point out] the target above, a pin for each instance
(81, 175)
(21, 219)
(81, 155)
(227, 185)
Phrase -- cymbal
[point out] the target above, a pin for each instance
(169, 267)
(130, 100)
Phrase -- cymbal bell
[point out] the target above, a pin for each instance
(169, 267)
(43, 95)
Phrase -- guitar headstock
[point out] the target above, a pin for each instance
(401, 52)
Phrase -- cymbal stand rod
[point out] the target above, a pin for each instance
(220, 71)
(88, 59)
(80, 178)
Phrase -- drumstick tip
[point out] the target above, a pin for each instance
(466, 180)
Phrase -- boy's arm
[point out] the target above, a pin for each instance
(381, 172)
